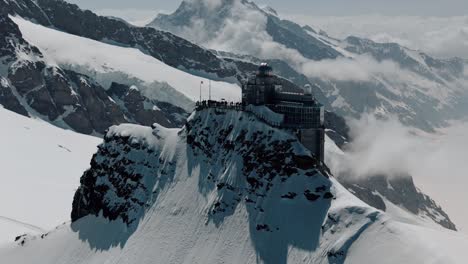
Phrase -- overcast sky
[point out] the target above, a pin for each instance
(312, 7)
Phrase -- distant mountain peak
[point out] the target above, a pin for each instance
(270, 10)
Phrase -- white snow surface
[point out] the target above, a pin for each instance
(40, 170)
(176, 228)
(71, 51)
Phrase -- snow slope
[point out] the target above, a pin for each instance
(106, 63)
(40, 170)
(187, 203)
(11, 228)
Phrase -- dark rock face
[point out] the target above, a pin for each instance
(146, 111)
(26, 76)
(102, 112)
(9, 100)
(112, 185)
(25, 9)
(400, 191)
(336, 128)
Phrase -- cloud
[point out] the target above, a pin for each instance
(378, 147)
(243, 31)
(438, 36)
(386, 146)
(360, 68)
(437, 162)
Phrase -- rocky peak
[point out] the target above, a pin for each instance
(197, 16)
(133, 160)
(270, 10)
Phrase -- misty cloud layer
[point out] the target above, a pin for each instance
(436, 161)
(439, 36)
(360, 68)
(243, 31)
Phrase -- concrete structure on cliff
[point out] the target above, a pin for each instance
(300, 111)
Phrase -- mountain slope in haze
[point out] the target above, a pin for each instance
(356, 75)
(41, 168)
(205, 194)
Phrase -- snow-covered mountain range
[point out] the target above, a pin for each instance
(356, 75)
(205, 194)
(34, 84)
(83, 72)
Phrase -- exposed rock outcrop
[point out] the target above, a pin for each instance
(400, 191)
(145, 111)
(125, 172)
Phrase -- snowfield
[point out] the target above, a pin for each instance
(40, 170)
(178, 227)
(106, 62)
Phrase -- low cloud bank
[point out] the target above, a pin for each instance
(386, 146)
(360, 68)
(243, 31)
(438, 162)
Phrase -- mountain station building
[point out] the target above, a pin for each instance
(300, 110)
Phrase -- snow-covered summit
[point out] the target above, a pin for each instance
(226, 188)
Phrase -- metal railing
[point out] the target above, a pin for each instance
(236, 106)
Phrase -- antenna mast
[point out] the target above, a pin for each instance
(209, 96)
(201, 83)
